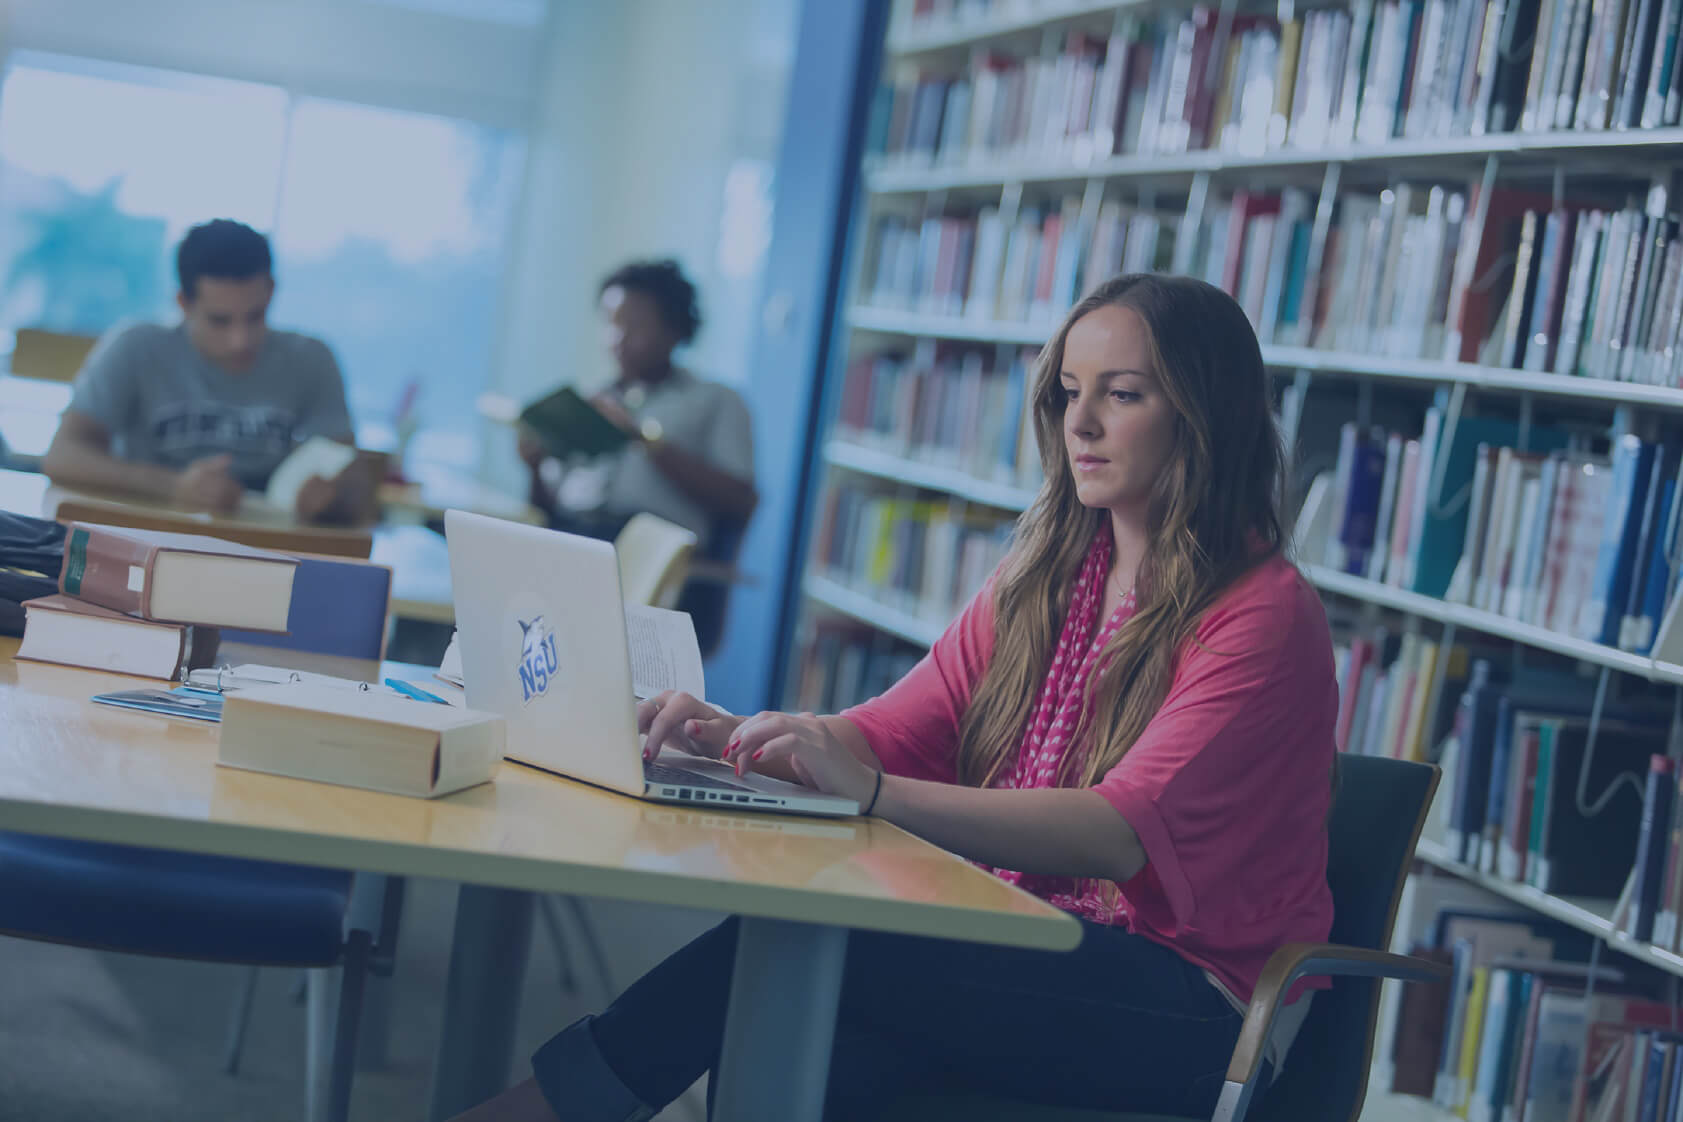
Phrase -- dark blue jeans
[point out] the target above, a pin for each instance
(1120, 1023)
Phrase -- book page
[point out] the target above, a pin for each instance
(316, 456)
(450, 666)
(664, 652)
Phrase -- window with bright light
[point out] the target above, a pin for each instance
(389, 228)
(103, 168)
(515, 13)
(389, 244)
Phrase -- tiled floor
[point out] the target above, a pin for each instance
(88, 1036)
(92, 1036)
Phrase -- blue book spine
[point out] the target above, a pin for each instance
(1533, 348)
(1496, 804)
(1478, 705)
(1674, 1103)
(1659, 573)
(1016, 399)
(1648, 1106)
(1297, 264)
(1361, 507)
(1653, 837)
(1651, 526)
(1601, 611)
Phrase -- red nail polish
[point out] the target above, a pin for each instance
(758, 752)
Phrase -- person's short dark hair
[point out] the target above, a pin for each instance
(223, 250)
(663, 282)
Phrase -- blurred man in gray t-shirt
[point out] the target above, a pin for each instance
(197, 413)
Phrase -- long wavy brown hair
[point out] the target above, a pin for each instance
(1213, 514)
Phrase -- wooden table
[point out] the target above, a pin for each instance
(255, 523)
(432, 490)
(72, 769)
(420, 565)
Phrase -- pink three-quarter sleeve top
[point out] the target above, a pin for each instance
(1228, 786)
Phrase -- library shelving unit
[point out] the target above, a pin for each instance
(1429, 231)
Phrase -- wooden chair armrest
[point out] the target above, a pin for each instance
(1301, 960)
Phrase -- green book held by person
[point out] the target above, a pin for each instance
(569, 425)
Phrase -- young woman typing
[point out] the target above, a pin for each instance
(1132, 720)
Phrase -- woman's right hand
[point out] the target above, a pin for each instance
(685, 723)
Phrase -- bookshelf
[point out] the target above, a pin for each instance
(909, 176)
(1589, 915)
(862, 607)
(1491, 379)
(929, 477)
(963, 28)
(1488, 623)
(1369, 210)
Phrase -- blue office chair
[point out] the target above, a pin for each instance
(339, 607)
(227, 910)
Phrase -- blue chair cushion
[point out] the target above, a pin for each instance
(159, 902)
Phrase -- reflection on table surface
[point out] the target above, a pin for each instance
(69, 766)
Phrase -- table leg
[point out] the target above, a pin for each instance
(482, 997)
(780, 1022)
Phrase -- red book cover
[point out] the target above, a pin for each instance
(1361, 653)
(945, 258)
(1481, 301)
(1204, 85)
(1246, 205)
(1050, 234)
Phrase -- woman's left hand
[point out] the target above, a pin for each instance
(809, 749)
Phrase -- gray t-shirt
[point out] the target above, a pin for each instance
(706, 419)
(164, 403)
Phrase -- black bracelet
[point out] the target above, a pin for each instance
(874, 793)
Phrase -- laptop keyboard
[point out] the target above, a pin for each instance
(683, 777)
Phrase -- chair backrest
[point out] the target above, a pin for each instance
(51, 356)
(339, 607)
(706, 599)
(654, 557)
(1377, 811)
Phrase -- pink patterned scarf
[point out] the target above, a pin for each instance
(1057, 716)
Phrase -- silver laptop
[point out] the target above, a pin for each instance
(541, 627)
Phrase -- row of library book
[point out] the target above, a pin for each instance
(1029, 271)
(1250, 83)
(841, 662)
(1542, 788)
(1545, 285)
(1528, 1030)
(953, 406)
(921, 557)
(1580, 544)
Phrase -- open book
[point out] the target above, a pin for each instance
(569, 425)
(316, 456)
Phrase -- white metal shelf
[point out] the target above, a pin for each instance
(856, 605)
(926, 35)
(908, 175)
(1479, 377)
(891, 322)
(882, 465)
(1429, 607)
(1586, 914)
